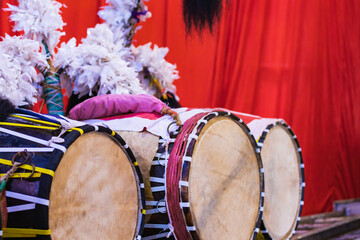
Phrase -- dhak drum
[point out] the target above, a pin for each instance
(206, 181)
(74, 183)
(284, 175)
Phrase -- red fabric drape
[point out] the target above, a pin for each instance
(297, 60)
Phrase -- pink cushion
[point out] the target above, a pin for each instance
(115, 104)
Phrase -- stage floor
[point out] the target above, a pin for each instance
(353, 235)
(343, 223)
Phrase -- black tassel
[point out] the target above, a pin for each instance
(75, 100)
(6, 107)
(170, 100)
(199, 14)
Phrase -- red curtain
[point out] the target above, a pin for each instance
(298, 60)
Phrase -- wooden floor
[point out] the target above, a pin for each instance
(353, 235)
(343, 223)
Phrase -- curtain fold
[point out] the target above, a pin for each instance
(297, 60)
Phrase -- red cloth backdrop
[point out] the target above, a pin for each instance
(298, 60)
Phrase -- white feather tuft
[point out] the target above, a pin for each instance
(154, 61)
(19, 80)
(121, 15)
(39, 19)
(98, 64)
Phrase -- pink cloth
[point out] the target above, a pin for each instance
(115, 104)
(149, 116)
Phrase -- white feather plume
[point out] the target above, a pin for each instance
(158, 67)
(119, 15)
(98, 64)
(19, 80)
(39, 19)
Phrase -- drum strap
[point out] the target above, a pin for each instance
(23, 175)
(33, 139)
(24, 232)
(27, 125)
(68, 126)
(29, 167)
(27, 198)
(39, 127)
(65, 125)
(35, 120)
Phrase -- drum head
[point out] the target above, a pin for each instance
(281, 162)
(94, 193)
(224, 182)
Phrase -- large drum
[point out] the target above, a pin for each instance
(206, 181)
(284, 175)
(74, 183)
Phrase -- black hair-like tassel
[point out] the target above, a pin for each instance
(170, 100)
(199, 14)
(75, 100)
(6, 107)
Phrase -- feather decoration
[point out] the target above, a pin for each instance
(39, 19)
(122, 16)
(102, 35)
(152, 61)
(97, 65)
(19, 79)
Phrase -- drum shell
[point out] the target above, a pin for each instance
(40, 188)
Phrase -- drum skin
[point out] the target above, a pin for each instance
(225, 180)
(96, 190)
(92, 184)
(284, 179)
(224, 183)
(284, 176)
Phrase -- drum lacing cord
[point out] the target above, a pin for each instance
(171, 228)
(173, 174)
(167, 142)
(27, 158)
(166, 145)
(64, 127)
(157, 206)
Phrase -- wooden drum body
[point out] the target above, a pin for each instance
(82, 185)
(284, 177)
(206, 180)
